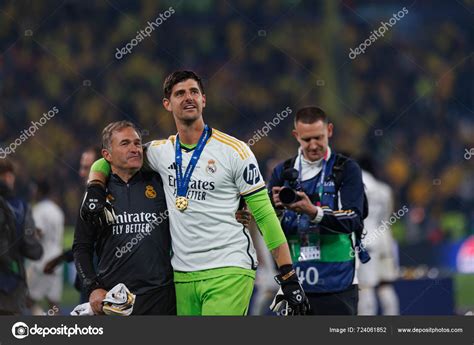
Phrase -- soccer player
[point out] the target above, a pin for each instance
(205, 173)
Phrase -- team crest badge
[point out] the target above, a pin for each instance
(211, 166)
(150, 192)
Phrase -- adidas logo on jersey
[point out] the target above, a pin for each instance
(172, 166)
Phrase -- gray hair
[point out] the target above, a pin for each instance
(115, 127)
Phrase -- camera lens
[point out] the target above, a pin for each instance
(288, 196)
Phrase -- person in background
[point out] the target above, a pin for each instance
(49, 219)
(88, 156)
(377, 276)
(18, 240)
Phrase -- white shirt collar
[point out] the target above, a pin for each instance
(310, 169)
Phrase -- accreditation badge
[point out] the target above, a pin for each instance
(305, 247)
(310, 253)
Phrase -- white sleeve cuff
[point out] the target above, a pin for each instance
(319, 215)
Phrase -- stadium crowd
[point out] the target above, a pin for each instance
(407, 101)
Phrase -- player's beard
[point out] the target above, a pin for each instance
(188, 118)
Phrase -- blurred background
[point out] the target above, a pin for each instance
(407, 101)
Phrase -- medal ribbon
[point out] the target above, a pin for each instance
(182, 182)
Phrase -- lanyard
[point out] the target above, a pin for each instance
(321, 182)
(182, 182)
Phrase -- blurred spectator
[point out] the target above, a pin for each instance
(49, 219)
(89, 155)
(376, 277)
(18, 241)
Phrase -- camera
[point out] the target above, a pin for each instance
(288, 195)
(21, 331)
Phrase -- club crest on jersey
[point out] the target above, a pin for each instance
(251, 174)
(150, 192)
(211, 166)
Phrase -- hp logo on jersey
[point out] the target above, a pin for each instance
(251, 174)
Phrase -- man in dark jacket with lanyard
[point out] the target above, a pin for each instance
(135, 250)
(320, 218)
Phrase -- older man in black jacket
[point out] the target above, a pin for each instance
(136, 249)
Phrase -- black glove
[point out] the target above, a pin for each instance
(96, 210)
(290, 298)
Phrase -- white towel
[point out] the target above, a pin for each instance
(118, 301)
(83, 309)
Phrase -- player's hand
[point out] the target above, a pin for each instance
(276, 198)
(96, 210)
(52, 264)
(243, 217)
(290, 298)
(95, 299)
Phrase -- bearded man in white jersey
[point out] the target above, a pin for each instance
(205, 174)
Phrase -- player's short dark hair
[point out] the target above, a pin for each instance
(115, 127)
(6, 166)
(310, 115)
(177, 77)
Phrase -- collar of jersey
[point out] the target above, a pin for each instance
(318, 163)
(135, 178)
(188, 148)
(191, 147)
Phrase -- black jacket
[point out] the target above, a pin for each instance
(136, 250)
(17, 242)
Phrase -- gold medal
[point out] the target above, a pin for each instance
(182, 203)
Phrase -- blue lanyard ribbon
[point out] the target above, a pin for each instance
(182, 182)
(321, 182)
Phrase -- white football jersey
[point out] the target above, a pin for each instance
(206, 235)
(379, 199)
(49, 218)
(383, 265)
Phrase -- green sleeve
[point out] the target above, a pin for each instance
(102, 166)
(266, 218)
